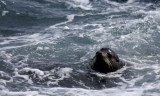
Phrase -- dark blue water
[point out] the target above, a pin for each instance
(46, 47)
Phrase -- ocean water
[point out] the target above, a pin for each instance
(46, 47)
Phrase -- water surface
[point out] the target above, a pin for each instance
(46, 47)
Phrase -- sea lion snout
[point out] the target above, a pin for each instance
(99, 54)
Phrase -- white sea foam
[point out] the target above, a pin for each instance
(83, 92)
(66, 28)
(54, 76)
(83, 4)
(82, 1)
(113, 3)
(70, 18)
(20, 93)
(3, 2)
(62, 74)
(24, 40)
(4, 13)
(35, 71)
(7, 57)
(119, 91)
(26, 77)
(130, 1)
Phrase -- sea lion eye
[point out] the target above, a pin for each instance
(109, 55)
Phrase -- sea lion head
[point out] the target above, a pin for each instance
(106, 60)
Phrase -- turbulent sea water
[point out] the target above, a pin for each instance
(46, 47)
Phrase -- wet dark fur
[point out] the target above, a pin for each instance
(99, 63)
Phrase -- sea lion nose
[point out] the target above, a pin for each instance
(98, 53)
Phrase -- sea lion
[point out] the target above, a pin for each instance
(106, 60)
